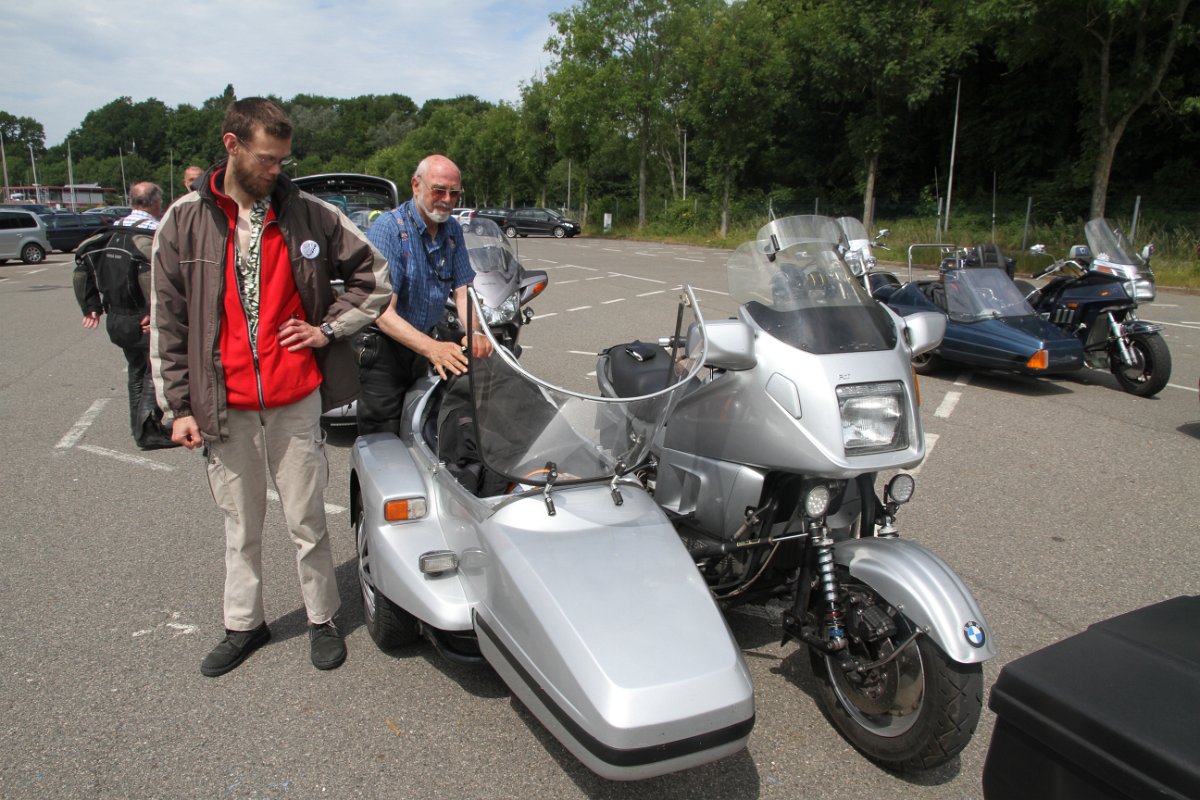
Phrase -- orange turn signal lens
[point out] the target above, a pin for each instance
(409, 508)
(1039, 360)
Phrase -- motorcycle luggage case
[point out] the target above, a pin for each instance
(1110, 713)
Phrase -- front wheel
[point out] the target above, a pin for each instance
(33, 254)
(915, 712)
(1151, 367)
(389, 625)
(559, 232)
(510, 232)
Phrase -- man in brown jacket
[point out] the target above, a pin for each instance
(248, 344)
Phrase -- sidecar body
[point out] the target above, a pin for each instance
(570, 582)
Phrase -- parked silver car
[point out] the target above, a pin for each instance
(23, 236)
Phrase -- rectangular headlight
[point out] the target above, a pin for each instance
(873, 417)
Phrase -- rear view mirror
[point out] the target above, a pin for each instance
(924, 330)
(730, 345)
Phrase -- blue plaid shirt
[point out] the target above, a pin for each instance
(424, 273)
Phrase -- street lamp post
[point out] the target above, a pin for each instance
(37, 198)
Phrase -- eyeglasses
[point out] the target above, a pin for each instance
(442, 191)
(267, 161)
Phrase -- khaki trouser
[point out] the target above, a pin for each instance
(288, 443)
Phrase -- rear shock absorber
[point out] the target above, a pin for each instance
(834, 628)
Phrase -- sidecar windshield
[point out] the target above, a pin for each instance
(528, 429)
(805, 295)
(983, 293)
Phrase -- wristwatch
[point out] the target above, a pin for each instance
(327, 329)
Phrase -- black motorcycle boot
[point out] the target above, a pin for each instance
(326, 646)
(233, 650)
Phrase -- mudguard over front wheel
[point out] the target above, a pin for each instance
(916, 708)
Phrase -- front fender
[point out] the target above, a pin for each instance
(924, 589)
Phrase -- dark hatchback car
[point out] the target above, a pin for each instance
(539, 221)
(66, 231)
(496, 214)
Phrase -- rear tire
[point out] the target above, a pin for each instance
(914, 713)
(33, 254)
(1151, 369)
(390, 626)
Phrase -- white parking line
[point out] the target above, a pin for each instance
(127, 458)
(947, 406)
(35, 271)
(635, 277)
(610, 302)
(579, 308)
(647, 294)
(543, 316)
(696, 260)
(1185, 388)
(330, 508)
(581, 352)
(930, 441)
(77, 431)
(1191, 326)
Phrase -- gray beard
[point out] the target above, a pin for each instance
(432, 214)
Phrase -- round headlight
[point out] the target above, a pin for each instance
(816, 502)
(901, 488)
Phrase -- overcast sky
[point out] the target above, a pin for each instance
(63, 59)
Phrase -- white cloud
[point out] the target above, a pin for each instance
(64, 59)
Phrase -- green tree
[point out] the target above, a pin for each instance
(619, 52)
(883, 61)
(1122, 51)
(739, 74)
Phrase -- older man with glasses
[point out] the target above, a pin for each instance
(424, 246)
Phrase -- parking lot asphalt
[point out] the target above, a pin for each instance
(1061, 502)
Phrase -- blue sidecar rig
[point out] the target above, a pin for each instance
(990, 324)
(546, 558)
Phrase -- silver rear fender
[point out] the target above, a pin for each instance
(925, 589)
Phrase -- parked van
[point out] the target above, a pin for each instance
(23, 236)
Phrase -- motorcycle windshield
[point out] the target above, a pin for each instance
(497, 270)
(532, 432)
(805, 295)
(852, 228)
(1109, 245)
(983, 293)
(802, 229)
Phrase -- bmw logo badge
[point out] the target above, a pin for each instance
(973, 632)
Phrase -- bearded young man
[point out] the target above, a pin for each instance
(429, 262)
(248, 344)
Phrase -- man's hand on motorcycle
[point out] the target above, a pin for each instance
(447, 357)
(481, 346)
